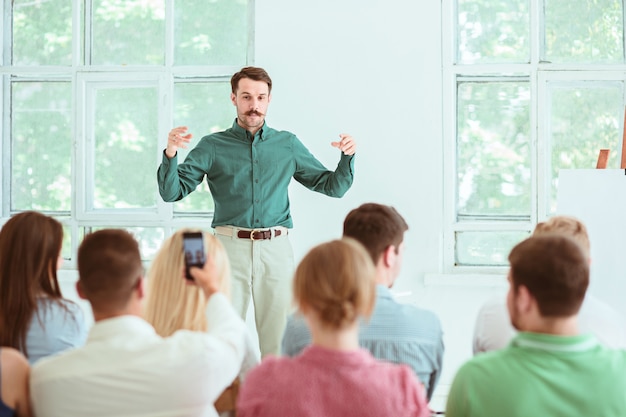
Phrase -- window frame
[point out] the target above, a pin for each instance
(80, 220)
(539, 74)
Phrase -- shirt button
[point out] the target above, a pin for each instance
(256, 161)
(256, 201)
(256, 221)
(256, 180)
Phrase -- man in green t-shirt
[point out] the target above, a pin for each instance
(248, 169)
(549, 368)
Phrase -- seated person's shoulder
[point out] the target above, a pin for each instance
(421, 318)
(13, 361)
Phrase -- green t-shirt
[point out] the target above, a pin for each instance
(542, 375)
(249, 176)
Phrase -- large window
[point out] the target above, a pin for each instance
(530, 87)
(90, 90)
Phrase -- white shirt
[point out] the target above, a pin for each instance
(493, 329)
(126, 369)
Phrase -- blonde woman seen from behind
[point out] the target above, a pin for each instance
(173, 305)
(334, 287)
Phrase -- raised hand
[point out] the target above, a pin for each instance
(346, 144)
(177, 138)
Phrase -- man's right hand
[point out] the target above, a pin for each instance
(177, 138)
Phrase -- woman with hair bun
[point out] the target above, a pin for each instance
(334, 286)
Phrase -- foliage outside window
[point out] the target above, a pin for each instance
(91, 88)
(531, 87)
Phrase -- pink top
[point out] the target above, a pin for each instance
(325, 382)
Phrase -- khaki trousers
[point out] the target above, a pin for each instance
(262, 270)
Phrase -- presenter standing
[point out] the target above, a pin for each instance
(248, 169)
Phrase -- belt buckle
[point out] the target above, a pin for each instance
(252, 232)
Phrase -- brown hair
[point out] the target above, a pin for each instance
(109, 267)
(376, 227)
(554, 269)
(171, 303)
(254, 73)
(337, 281)
(30, 245)
(568, 226)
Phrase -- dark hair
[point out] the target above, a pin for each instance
(30, 245)
(376, 227)
(254, 73)
(554, 269)
(109, 266)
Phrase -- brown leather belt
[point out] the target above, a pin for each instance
(258, 234)
(252, 234)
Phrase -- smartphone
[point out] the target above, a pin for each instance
(195, 254)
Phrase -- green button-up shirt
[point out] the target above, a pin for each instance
(248, 176)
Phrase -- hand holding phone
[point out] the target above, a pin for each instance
(195, 253)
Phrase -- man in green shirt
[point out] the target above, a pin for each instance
(248, 169)
(548, 369)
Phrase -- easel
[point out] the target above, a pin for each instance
(603, 156)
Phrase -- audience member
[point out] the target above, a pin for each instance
(14, 370)
(334, 285)
(549, 368)
(399, 333)
(126, 368)
(493, 329)
(34, 317)
(172, 304)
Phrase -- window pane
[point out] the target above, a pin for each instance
(41, 146)
(493, 31)
(128, 32)
(584, 118)
(486, 248)
(493, 151)
(126, 126)
(42, 32)
(204, 108)
(150, 239)
(584, 31)
(66, 251)
(214, 33)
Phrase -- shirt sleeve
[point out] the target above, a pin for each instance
(176, 181)
(312, 174)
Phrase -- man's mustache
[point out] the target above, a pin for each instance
(255, 112)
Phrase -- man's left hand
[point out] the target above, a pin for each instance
(346, 144)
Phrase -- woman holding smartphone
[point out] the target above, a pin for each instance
(334, 286)
(172, 304)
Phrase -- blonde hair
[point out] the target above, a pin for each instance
(337, 281)
(172, 304)
(568, 226)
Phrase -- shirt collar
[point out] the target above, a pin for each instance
(244, 133)
(121, 326)
(554, 343)
(383, 292)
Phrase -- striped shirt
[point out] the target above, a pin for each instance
(398, 333)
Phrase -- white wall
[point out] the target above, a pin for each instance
(373, 69)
